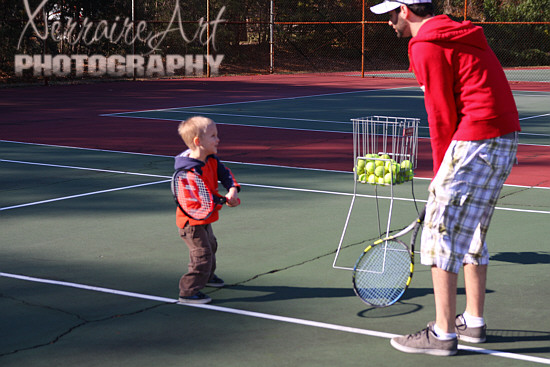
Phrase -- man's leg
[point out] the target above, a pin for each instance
(475, 279)
(445, 284)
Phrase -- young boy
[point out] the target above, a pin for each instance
(201, 137)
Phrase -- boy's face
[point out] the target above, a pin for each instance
(209, 141)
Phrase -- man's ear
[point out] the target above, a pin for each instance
(405, 11)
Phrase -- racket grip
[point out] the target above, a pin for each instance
(220, 200)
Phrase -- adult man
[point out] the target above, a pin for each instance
(473, 124)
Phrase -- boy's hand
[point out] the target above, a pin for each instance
(233, 198)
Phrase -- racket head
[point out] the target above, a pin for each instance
(383, 272)
(193, 196)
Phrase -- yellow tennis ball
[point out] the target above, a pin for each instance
(379, 163)
(389, 178)
(363, 178)
(372, 179)
(406, 164)
(381, 181)
(379, 171)
(395, 167)
(360, 168)
(369, 167)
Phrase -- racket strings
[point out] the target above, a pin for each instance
(193, 196)
(382, 274)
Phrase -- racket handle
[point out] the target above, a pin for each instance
(220, 200)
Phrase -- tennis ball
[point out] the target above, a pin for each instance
(381, 180)
(369, 167)
(395, 167)
(372, 179)
(406, 164)
(385, 156)
(379, 163)
(363, 178)
(379, 171)
(360, 166)
(389, 178)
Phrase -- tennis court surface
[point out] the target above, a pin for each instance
(90, 256)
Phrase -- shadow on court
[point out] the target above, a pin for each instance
(526, 258)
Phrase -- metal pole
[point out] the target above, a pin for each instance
(133, 35)
(271, 41)
(207, 36)
(363, 42)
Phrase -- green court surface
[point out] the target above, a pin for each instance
(90, 262)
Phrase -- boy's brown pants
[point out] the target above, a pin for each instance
(202, 258)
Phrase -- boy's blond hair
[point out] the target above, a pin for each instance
(193, 127)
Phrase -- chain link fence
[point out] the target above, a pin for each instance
(76, 39)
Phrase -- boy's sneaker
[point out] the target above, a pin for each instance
(197, 298)
(425, 342)
(215, 282)
(467, 334)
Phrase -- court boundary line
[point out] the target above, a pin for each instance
(299, 129)
(176, 109)
(259, 100)
(125, 115)
(225, 161)
(47, 201)
(265, 316)
(168, 179)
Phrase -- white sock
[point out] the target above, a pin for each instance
(472, 321)
(442, 335)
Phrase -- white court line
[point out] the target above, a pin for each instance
(225, 161)
(265, 316)
(80, 195)
(534, 117)
(82, 168)
(186, 110)
(260, 100)
(242, 184)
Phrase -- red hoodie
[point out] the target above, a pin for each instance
(467, 95)
(211, 171)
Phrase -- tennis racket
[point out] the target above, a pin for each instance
(192, 195)
(384, 270)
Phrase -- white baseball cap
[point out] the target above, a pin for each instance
(388, 6)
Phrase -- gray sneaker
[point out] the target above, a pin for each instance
(467, 334)
(470, 334)
(425, 342)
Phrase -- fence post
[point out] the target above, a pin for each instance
(271, 53)
(363, 42)
(207, 37)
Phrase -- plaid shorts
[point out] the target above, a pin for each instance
(462, 199)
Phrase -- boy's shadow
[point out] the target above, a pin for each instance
(281, 293)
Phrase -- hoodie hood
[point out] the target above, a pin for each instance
(183, 161)
(442, 29)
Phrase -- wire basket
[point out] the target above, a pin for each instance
(390, 142)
